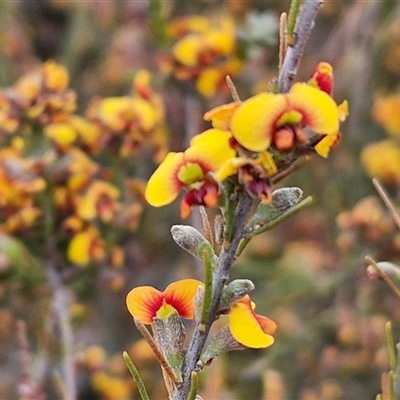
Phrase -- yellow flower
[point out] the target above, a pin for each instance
(111, 387)
(386, 111)
(269, 118)
(191, 170)
(99, 200)
(86, 246)
(382, 160)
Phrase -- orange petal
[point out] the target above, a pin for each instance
(248, 328)
(254, 122)
(163, 186)
(221, 116)
(318, 109)
(180, 295)
(143, 302)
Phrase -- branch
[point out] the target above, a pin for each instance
(220, 276)
(304, 25)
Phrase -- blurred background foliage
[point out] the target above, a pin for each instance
(309, 272)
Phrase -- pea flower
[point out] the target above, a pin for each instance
(191, 170)
(245, 329)
(146, 302)
(278, 119)
(248, 328)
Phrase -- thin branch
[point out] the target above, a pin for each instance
(304, 25)
(225, 262)
(387, 201)
(282, 38)
(383, 275)
(232, 88)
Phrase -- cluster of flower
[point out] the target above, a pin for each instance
(252, 140)
(59, 170)
(250, 143)
(204, 52)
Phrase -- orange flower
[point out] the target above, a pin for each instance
(145, 302)
(191, 170)
(250, 329)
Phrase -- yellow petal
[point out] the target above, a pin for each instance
(187, 49)
(254, 122)
(318, 109)
(211, 148)
(55, 76)
(208, 81)
(246, 328)
(221, 116)
(63, 133)
(163, 186)
(79, 248)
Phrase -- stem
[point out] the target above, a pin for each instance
(61, 307)
(221, 273)
(387, 201)
(304, 25)
(383, 275)
(136, 376)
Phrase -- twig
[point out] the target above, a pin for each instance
(282, 38)
(232, 88)
(387, 201)
(383, 275)
(220, 277)
(304, 25)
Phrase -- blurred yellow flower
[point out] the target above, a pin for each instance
(381, 160)
(386, 111)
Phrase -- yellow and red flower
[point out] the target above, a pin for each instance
(146, 302)
(279, 119)
(191, 170)
(248, 328)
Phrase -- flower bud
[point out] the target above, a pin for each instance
(191, 240)
(236, 289)
(282, 200)
(390, 269)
